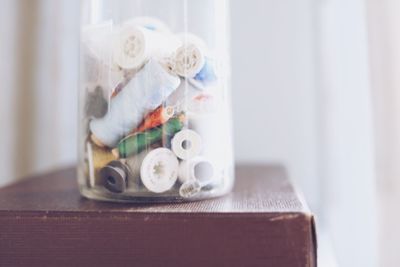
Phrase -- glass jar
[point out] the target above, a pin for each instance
(155, 115)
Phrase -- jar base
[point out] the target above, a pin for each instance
(98, 195)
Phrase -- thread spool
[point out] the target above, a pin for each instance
(213, 140)
(114, 177)
(134, 163)
(206, 76)
(138, 142)
(186, 144)
(159, 116)
(143, 94)
(204, 117)
(198, 168)
(97, 158)
(189, 60)
(135, 45)
(196, 175)
(158, 169)
(191, 188)
(193, 62)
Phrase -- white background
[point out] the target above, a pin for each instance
(274, 86)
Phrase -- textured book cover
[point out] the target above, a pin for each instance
(263, 222)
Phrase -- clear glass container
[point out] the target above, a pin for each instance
(155, 115)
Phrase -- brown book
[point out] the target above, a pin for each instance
(45, 222)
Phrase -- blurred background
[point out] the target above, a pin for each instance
(317, 80)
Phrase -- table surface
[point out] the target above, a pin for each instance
(253, 193)
(45, 222)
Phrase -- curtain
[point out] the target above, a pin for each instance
(347, 162)
(7, 91)
(39, 85)
(383, 20)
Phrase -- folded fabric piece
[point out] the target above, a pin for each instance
(143, 94)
